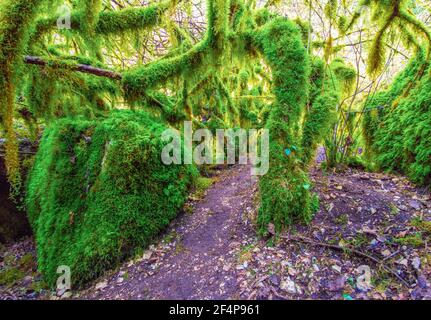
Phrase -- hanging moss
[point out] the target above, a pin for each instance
(139, 80)
(345, 76)
(98, 191)
(320, 116)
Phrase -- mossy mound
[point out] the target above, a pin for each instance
(99, 191)
(397, 131)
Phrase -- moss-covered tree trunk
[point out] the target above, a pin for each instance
(285, 194)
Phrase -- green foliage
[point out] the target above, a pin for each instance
(10, 276)
(139, 80)
(98, 191)
(15, 21)
(415, 240)
(424, 226)
(326, 87)
(399, 135)
(108, 22)
(390, 15)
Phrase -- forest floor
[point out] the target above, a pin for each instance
(211, 251)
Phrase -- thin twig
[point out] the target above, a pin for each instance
(351, 250)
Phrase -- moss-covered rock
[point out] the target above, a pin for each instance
(99, 191)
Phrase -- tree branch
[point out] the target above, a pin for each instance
(73, 67)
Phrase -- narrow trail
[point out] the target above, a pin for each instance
(200, 261)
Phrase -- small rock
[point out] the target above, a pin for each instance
(66, 295)
(147, 255)
(120, 280)
(288, 285)
(61, 292)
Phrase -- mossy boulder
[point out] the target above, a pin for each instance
(99, 191)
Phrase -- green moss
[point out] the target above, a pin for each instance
(15, 22)
(342, 220)
(10, 277)
(411, 240)
(98, 191)
(285, 194)
(138, 81)
(325, 94)
(130, 19)
(398, 135)
(109, 22)
(424, 226)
